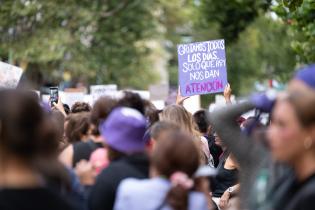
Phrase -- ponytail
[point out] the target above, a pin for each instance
(177, 196)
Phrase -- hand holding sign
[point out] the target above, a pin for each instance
(179, 98)
(202, 67)
(227, 94)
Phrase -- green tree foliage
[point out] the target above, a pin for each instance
(262, 52)
(232, 16)
(177, 18)
(102, 39)
(299, 16)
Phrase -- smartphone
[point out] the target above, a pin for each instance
(53, 95)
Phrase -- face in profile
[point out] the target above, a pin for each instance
(285, 134)
(217, 140)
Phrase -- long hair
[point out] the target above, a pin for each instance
(181, 117)
(170, 156)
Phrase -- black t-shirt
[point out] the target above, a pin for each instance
(225, 178)
(103, 193)
(83, 150)
(32, 199)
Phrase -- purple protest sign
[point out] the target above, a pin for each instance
(202, 67)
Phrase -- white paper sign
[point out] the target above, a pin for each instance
(98, 91)
(9, 75)
(71, 97)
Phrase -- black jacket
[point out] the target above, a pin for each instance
(102, 196)
(290, 194)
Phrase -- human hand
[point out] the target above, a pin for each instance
(59, 106)
(85, 172)
(224, 200)
(179, 98)
(227, 93)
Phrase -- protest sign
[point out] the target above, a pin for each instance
(70, 98)
(202, 67)
(98, 91)
(9, 75)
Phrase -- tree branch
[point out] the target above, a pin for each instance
(123, 4)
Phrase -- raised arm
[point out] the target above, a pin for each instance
(244, 149)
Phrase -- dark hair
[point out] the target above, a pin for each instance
(78, 125)
(114, 154)
(80, 107)
(132, 100)
(200, 118)
(151, 112)
(170, 156)
(27, 132)
(160, 127)
(21, 119)
(101, 109)
(66, 108)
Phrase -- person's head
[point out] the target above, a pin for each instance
(25, 131)
(304, 79)
(29, 136)
(180, 116)
(101, 109)
(201, 119)
(217, 140)
(292, 131)
(77, 128)
(170, 158)
(80, 107)
(132, 100)
(123, 132)
(159, 130)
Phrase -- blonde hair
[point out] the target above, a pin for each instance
(181, 117)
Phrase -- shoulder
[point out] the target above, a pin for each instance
(130, 185)
(133, 186)
(203, 139)
(113, 174)
(128, 193)
(141, 194)
(80, 145)
(66, 156)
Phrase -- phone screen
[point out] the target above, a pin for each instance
(53, 95)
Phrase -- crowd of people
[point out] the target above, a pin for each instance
(126, 154)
